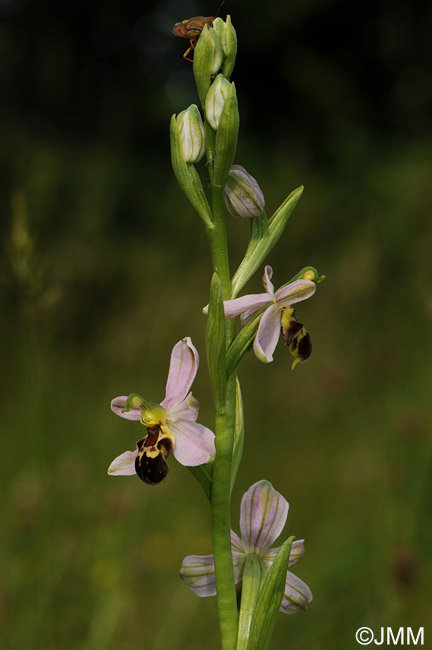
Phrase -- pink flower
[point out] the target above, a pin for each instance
(278, 314)
(263, 514)
(171, 425)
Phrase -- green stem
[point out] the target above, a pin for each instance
(218, 242)
(224, 442)
(221, 525)
(250, 590)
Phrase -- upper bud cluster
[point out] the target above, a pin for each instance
(215, 51)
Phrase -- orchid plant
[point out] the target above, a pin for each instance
(171, 427)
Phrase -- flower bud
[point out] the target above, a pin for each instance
(228, 37)
(192, 136)
(215, 52)
(208, 57)
(215, 100)
(243, 195)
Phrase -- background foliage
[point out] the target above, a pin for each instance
(105, 267)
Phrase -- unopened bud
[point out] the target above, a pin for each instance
(208, 57)
(243, 195)
(215, 100)
(192, 135)
(228, 37)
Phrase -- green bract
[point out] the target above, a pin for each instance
(238, 434)
(208, 56)
(226, 139)
(270, 599)
(187, 176)
(261, 245)
(216, 343)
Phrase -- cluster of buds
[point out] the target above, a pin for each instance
(213, 62)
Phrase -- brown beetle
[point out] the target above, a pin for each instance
(191, 28)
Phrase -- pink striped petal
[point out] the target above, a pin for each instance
(123, 465)
(297, 595)
(236, 543)
(194, 443)
(248, 315)
(246, 303)
(117, 406)
(186, 410)
(268, 334)
(295, 292)
(297, 550)
(183, 368)
(198, 572)
(263, 515)
(268, 284)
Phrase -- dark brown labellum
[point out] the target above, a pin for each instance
(304, 347)
(151, 470)
(291, 331)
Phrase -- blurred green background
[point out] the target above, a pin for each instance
(105, 266)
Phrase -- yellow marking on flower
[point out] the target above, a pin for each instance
(309, 275)
(151, 454)
(287, 313)
(153, 417)
(167, 433)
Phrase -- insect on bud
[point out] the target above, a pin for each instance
(243, 195)
(215, 100)
(192, 136)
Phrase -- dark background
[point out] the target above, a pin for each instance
(105, 266)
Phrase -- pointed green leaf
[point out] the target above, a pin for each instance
(258, 231)
(226, 139)
(250, 590)
(216, 344)
(229, 46)
(187, 176)
(268, 239)
(202, 473)
(270, 599)
(208, 56)
(242, 343)
(238, 434)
